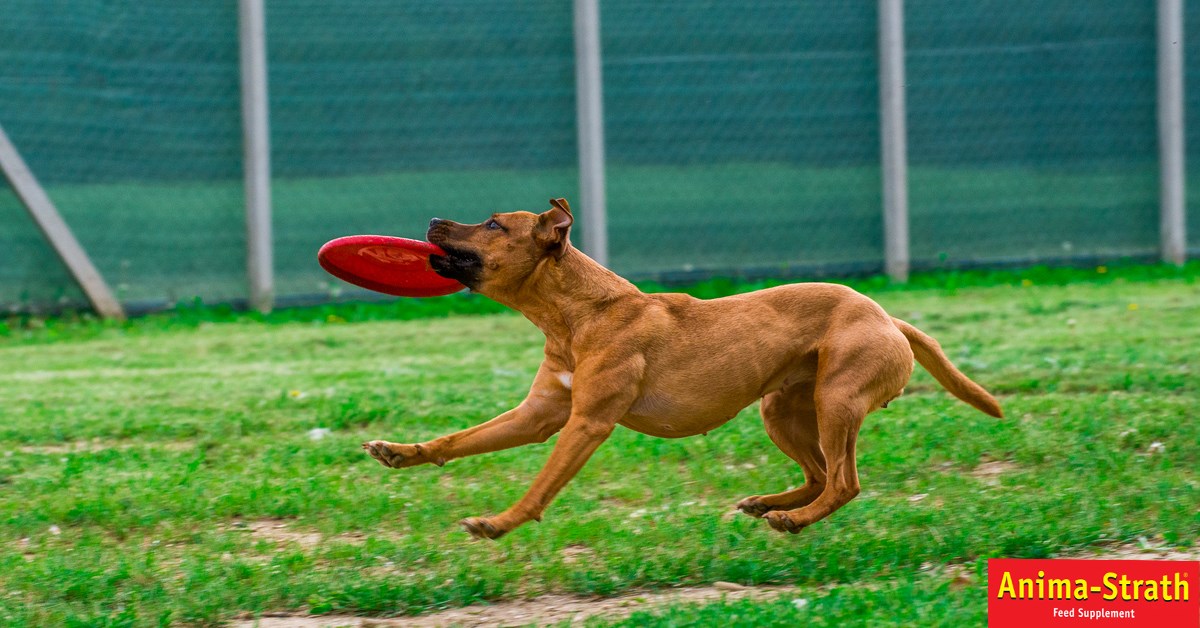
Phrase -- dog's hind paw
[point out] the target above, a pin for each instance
(753, 506)
(782, 520)
(481, 528)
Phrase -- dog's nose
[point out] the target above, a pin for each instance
(434, 221)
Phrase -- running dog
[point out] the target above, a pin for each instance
(820, 357)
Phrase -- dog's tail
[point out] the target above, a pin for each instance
(929, 353)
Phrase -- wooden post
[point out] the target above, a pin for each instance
(31, 194)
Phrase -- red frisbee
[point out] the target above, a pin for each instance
(386, 264)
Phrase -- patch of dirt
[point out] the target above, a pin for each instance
(1143, 550)
(572, 554)
(542, 610)
(554, 609)
(989, 471)
(279, 532)
(993, 468)
(94, 445)
(23, 546)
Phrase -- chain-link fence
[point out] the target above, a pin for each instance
(741, 138)
(386, 114)
(1032, 122)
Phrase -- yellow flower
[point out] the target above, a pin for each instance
(1102, 269)
(334, 318)
(294, 394)
(1133, 306)
(1026, 282)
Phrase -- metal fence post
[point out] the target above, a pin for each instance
(589, 103)
(893, 138)
(1172, 221)
(257, 147)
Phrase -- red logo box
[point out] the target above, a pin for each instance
(1059, 593)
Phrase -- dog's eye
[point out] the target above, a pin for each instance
(492, 224)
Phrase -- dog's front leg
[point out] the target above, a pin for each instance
(600, 399)
(540, 416)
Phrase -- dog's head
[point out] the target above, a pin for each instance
(496, 255)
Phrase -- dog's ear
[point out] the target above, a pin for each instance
(554, 228)
(561, 203)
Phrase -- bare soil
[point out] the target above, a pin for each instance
(557, 608)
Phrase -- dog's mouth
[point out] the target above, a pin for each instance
(462, 266)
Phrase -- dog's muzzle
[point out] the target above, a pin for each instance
(464, 267)
(460, 265)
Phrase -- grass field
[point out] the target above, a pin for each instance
(162, 471)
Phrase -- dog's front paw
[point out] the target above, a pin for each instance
(395, 455)
(482, 528)
(753, 506)
(784, 521)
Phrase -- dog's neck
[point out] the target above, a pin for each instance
(562, 295)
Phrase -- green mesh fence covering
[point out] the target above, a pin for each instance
(386, 114)
(742, 138)
(1032, 130)
(1191, 92)
(30, 273)
(128, 113)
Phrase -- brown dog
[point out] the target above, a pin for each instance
(820, 356)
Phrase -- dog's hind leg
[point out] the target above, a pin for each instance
(839, 421)
(790, 417)
(855, 375)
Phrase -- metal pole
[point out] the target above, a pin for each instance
(56, 230)
(894, 139)
(257, 145)
(589, 102)
(1173, 225)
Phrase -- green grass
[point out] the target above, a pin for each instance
(153, 446)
